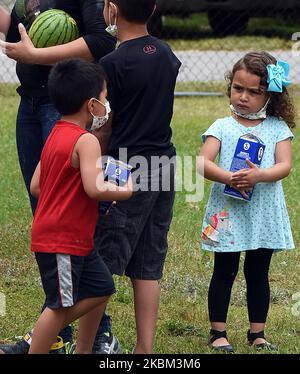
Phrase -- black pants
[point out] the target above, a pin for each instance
(256, 269)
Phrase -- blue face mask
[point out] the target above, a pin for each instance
(261, 114)
(99, 121)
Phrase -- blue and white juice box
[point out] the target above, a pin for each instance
(249, 147)
(116, 171)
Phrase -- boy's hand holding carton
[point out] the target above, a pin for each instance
(117, 172)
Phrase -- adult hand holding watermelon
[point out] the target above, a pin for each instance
(52, 28)
(22, 51)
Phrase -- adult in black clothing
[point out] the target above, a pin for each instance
(36, 114)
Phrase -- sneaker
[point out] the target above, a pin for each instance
(70, 348)
(107, 344)
(19, 348)
(58, 348)
(22, 346)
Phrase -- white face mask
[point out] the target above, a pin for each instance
(261, 114)
(112, 29)
(99, 121)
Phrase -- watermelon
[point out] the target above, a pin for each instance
(53, 27)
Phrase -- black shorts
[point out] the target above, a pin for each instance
(68, 279)
(132, 237)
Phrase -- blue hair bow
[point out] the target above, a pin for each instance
(278, 76)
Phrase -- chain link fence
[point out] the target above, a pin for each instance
(209, 36)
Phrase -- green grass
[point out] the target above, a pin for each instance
(194, 33)
(183, 321)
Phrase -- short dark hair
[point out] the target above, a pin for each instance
(72, 82)
(138, 11)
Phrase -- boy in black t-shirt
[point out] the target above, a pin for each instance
(132, 237)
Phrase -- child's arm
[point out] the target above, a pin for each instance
(35, 182)
(283, 165)
(209, 153)
(212, 171)
(89, 154)
(4, 21)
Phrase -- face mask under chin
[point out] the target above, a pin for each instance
(261, 114)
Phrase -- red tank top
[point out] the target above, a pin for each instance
(65, 218)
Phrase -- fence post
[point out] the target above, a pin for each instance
(2, 304)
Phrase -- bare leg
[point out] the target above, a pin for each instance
(219, 326)
(88, 326)
(146, 301)
(257, 327)
(52, 321)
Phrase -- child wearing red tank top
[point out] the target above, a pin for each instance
(68, 183)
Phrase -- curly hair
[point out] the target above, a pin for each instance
(281, 104)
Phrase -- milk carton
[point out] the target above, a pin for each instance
(116, 171)
(249, 147)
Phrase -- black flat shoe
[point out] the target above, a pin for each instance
(214, 335)
(252, 336)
